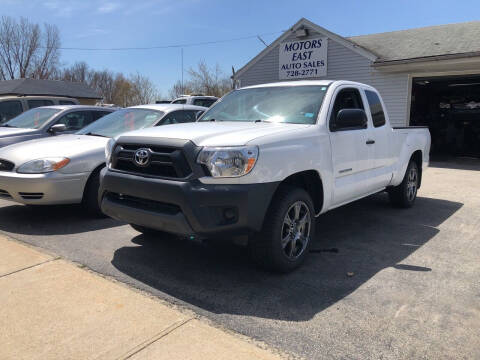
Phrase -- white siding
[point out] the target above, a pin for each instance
(342, 64)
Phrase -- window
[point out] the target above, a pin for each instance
(9, 109)
(98, 114)
(181, 101)
(66, 102)
(276, 104)
(376, 109)
(204, 102)
(179, 117)
(346, 99)
(77, 120)
(37, 103)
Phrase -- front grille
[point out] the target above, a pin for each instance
(166, 162)
(31, 196)
(4, 194)
(6, 165)
(143, 204)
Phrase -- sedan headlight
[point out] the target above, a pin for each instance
(228, 161)
(41, 166)
(109, 149)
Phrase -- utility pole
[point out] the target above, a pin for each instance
(183, 89)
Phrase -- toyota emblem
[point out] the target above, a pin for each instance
(142, 157)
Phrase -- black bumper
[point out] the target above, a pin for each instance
(185, 208)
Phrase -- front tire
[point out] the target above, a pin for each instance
(90, 200)
(287, 233)
(404, 195)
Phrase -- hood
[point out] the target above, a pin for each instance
(6, 131)
(69, 146)
(225, 133)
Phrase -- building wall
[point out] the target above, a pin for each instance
(85, 101)
(342, 64)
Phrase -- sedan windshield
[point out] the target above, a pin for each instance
(283, 104)
(32, 119)
(122, 121)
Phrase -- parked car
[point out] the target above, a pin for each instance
(199, 100)
(265, 161)
(48, 121)
(11, 106)
(65, 169)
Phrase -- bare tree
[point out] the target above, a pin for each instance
(142, 91)
(203, 80)
(26, 50)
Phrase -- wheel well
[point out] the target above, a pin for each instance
(97, 169)
(418, 158)
(311, 182)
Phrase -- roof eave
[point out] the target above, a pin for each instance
(381, 63)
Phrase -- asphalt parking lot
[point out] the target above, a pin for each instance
(414, 293)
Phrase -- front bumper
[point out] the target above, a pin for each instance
(42, 189)
(185, 208)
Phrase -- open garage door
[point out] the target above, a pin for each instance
(450, 107)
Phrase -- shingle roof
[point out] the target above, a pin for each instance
(47, 87)
(450, 39)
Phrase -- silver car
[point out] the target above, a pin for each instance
(47, 121)
(65, 169)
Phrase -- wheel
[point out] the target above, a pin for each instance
(404, 195)
(289, 226)
(90, 195)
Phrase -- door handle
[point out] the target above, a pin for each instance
(370, 142)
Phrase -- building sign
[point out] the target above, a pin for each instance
(303, 59)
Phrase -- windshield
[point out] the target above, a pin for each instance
(32, 119)
(283, 104)
(122, 121)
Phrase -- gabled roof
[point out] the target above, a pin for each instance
(431, 41)
(47, 87)
(308, 24)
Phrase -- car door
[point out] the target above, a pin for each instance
(75, 120)
(350, 152)
(379, 148)
(179, 117)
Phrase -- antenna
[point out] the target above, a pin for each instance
(263, 42)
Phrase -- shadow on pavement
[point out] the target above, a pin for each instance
(456, 163)
(366, 236)
(50, 220)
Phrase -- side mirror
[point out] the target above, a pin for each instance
(350, 119)
(57, 128)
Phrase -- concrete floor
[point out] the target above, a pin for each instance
(415, 292)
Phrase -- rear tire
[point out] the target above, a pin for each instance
(287, 233)
(90, 200)
(404, 195)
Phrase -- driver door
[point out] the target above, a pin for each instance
(350, 153)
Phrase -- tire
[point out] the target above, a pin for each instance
(90, 195)
(404, 195)
(267, 248)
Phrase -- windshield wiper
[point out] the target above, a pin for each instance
(9, 126)
(93, 134)
(260, 121)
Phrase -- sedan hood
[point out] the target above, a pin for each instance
(69, 146)
(6, 131)
(225, 133)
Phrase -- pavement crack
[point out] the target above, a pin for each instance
(29, 267)
(160, 335)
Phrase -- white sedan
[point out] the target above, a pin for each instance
(65, 169)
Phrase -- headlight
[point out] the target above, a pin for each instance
(41, 166)
(228, 161)
(109, 149)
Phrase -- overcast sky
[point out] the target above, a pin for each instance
(144, 23)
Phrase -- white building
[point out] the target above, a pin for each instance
(426, 76)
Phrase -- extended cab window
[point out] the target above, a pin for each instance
(376, 109)
(9, 109)
(204, 102)
(182, 101)
(346, 99)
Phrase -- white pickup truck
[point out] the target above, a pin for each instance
(264, 161)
